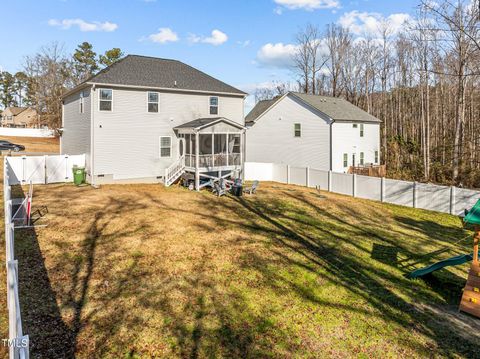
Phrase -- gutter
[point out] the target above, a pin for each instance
(166, 89)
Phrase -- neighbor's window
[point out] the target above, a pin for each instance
(165, 146)
(298, 129)
(152, 101)
(213, 105)
(362, 130)
(81, 103)
(362, 158)
(376, 156)
(345, 160)
(105, 99)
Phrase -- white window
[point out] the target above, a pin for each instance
(165, 146)
(81, 102)
(345, 160)
(376, 157)
(362, 158)
(297, 128)
(105, 97)
(213, 105)
(362, 131)
(152, 101)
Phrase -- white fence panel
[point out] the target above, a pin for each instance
(41, 169)
(342, 183)
(298, 176)
(280, 173)
(399, 192)
(34, 169)
(26, 132)
(465, 199)
(433, 197)
(369, 188)
(258, 171)
(319, 178)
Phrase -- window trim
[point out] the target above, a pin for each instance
(81, 102)
(160, 147)
(295, 130)
(158, 101)
(345, 160)
(362, 130)
(210, 106)
(100, 100)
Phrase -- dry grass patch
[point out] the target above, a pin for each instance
(147, 271)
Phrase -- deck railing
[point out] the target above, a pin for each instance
(174, 171)
(215, 160)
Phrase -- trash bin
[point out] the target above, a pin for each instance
(237, 190)
(78, 175)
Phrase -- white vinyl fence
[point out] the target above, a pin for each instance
(42, 169)
(18, 342)
(445, 199)
(26, 132)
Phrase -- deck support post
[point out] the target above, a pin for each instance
(197, 162)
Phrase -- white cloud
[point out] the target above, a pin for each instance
(245, 43)
(308, 5)
(84, 25)
(276, 55)
(216, 38)
(163, 36)
(370, 23)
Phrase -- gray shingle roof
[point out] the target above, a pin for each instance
(336, 108)
(135, 70)
(259, 108)
(204, 122)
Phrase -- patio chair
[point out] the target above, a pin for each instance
(219, 189)
(252, 189)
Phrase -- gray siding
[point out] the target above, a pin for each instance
(126, 140)
(272, 139)
(76, 137)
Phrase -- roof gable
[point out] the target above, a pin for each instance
(332, 108)
(143, 71)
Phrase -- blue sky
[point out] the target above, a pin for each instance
(245, 43)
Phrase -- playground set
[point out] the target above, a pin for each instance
(470, 302)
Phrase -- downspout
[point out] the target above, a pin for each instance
(331, 145)
(92, 136)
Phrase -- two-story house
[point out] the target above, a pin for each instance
(20, 117)
(321, 132)
(147, 119)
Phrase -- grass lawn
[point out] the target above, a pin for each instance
(145, 271)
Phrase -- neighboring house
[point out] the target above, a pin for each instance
(147, 119)
(317, 131)
(20, 117)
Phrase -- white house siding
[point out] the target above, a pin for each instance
(271, 139)
(75, 139)
(346, 139)
(126, 140)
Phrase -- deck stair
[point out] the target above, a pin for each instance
(174, 172)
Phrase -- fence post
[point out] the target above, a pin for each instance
(415, 194)
(452, 199)
(382, 189)
(45, 169)
(66, 168)
(308, 176)
(329, 181)
(288, 174)
(354, 185)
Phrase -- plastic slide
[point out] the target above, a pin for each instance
(454, 261)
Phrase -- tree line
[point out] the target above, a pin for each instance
(421, 81)
(46, 75)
